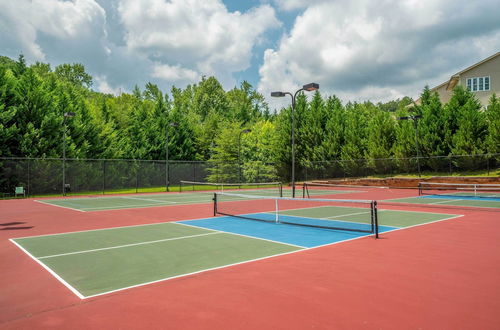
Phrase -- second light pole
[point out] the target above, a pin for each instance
(167, 172)
(66, 115)
(309, 88)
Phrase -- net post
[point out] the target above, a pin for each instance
(375, 214)
(280, 187)
(420, 188)
(276, 212)
(215, 204)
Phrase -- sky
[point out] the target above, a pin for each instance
(358, 50)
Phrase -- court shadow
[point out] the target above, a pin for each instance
(17, 228)
(11, 223)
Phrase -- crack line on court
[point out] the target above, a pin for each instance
(127, 245)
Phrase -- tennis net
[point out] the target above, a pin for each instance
(339, 214)
(262, 188)
(315, 189)
(459, 190)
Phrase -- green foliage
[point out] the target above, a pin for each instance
(74, 74)
(224, 159)
(492, 114)
(331, 138)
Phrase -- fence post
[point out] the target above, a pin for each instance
(194, 171)
(103, 176)
(136, 176)
(29, 178)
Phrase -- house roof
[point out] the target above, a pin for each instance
(456, 77)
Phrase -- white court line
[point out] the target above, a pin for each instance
(64, 207)
(109, 228)
(66, 284)
(112, 208)
(149, 200)
(230, 232)
(127, 245)
(446, 201)
(205, 270)
(346, 215)
(421, 224)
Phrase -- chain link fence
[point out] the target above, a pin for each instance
(44, 176)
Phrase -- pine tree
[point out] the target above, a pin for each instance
(493, 121)
(471, 129)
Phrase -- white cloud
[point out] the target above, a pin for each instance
(23, 22)
(199, 36)
(175, 73)
(135, 41)
(365, 50)
(103, 86)
(295, 4)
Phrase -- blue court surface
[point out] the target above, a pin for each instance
(301, 236)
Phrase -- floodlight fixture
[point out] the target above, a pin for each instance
(308, 88)
(311, 87)
(65, 115)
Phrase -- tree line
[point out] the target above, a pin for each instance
(221, 127)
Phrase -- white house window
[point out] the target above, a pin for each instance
(478, 84)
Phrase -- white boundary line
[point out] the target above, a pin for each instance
(66, 284)
(113, 208)
(148, 199)
(196, 272)
(422, 224)
(64, 207)
(108, 228)
(214, 268)
(248, 236)
(227, 266)
(127, 245)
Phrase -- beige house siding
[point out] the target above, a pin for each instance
(489, 67)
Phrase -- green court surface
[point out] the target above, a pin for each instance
(96, 262)
(102, 203)
(99, 261)
(324, 192)
(454, 201)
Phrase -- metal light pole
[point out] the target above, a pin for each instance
(239, 151)
(66, 115)
(415, 124)
(167, 172)
(309, 87)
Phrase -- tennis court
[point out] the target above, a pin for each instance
(191, 195)
(456, 194)
(97, 262)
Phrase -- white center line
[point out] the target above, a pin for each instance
(127, 245)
